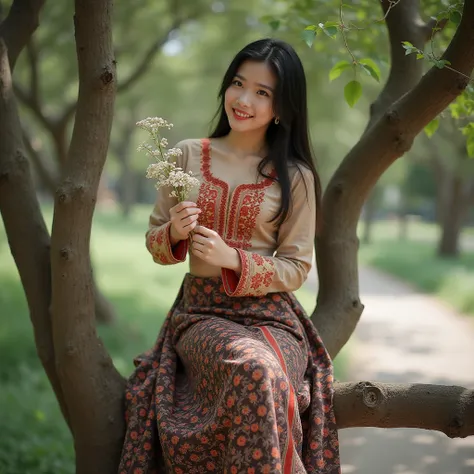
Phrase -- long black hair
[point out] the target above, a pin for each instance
(289, 139)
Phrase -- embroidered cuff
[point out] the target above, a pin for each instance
(255, 278)
(159, 245)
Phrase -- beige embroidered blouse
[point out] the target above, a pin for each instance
(237, 203)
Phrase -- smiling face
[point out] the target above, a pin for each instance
(249, 98)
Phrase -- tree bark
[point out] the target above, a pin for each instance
(57, 129)
(92, 386)
(369, 215)
(433, 407)
(27, 237)
(339, 307)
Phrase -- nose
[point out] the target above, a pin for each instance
(244, 99)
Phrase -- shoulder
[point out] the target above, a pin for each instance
(189, 146)
(300, 174)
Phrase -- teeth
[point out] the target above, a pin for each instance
(239, 114)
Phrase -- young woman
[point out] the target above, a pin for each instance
(238, 380)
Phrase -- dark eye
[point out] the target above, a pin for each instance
(262, 92)
(236, 82)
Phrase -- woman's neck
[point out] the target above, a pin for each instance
(248, 143)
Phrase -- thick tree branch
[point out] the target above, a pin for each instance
(339, 308)
(27, 236)
(448, 409)
(19, 26)
(92, 387)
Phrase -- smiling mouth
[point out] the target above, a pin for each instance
(241, 115)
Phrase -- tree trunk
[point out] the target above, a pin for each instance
(453, 217)
(18, 198)
(370, 209)
(105, 312)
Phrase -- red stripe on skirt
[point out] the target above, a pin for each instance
(288, 461)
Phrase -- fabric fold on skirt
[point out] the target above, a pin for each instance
(233, 385)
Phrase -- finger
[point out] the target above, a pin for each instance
(198, 238)
(189, 211)
(183, 205)
(189, 220)
(197, 252)
(204, 231)
(188, 228)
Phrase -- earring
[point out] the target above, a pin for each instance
(277, 121)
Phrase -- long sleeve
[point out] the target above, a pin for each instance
(288, 268)
(157, 237)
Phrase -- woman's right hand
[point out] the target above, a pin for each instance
(183, 218)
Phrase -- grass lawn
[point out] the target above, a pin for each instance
(34, 439)
(416, 262)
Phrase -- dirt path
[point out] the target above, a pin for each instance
(407, 337)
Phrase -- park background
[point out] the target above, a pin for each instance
(171, 59)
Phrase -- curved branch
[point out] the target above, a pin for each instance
(404, 24)
(339, 308)
(448, 409)
(32, 103)
(19, 25)
(147, 60)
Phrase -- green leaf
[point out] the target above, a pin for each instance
(420, 55)
(352, 92)
(371, 68)
(337, 69)
(455, 17)
(440, 63)
(274, 24)
(309, 33)
(330, 28)
(431, 128)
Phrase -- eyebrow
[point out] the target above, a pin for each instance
(258, 84)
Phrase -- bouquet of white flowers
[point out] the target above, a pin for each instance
(164, 170)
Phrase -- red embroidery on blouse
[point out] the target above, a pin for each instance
(213, 194)
(159, 246)
(245, 205)
(256, 276)
(155, 239)
(262, 273)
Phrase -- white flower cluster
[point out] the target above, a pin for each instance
(153, 124)
(181, 183)
(165, 171)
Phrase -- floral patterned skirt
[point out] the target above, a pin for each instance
(232, 385)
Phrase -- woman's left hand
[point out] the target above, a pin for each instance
(209, 246)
